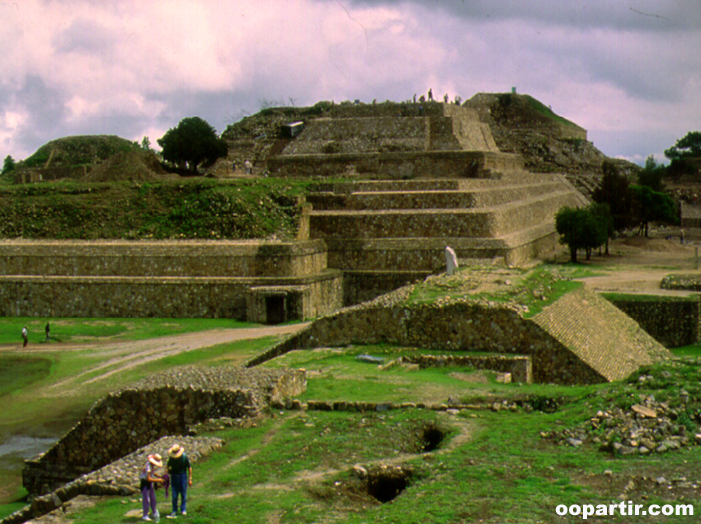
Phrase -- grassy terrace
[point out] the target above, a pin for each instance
(293, 466)
(195, 208)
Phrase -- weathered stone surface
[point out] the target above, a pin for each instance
(579, 339)
(643, 429)
(120, 478)
(126, 420)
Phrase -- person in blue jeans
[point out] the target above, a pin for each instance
(180, 473)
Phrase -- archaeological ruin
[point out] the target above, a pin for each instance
(416, 178)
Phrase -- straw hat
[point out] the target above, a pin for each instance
(155, 459)
(176, 451)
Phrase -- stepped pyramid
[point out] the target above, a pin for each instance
(436, 179)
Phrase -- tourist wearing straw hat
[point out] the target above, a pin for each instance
(148, 479)
(180, 473)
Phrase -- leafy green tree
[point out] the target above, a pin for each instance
(8, 165)
(614, 191)
(192, 142)
(687, 147)
(602, 214)
(581, 228)
(146, 144)
(652, 174)
(653, 206)
(684, 155)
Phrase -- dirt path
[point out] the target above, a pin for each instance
(638, 265)
(116, 357)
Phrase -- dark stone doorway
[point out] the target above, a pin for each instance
(275, 309)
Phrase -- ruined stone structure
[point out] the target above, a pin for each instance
(672, 321)
(167, 404)
(580, 339)
(258, 281)
(439, 181)
(430, 140)
(384, 234)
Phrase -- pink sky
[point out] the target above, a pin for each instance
(629, 72)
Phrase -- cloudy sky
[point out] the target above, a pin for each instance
(629, 71)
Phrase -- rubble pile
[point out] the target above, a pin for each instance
(648, 427)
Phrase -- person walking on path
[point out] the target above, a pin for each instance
(148, 480)
(180, 473)
(47, 329)
(25, 337)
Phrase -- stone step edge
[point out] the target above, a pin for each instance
(363, 406)
(498, 208)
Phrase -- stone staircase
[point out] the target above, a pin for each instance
(382, 234)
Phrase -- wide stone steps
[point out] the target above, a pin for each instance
(447, 222)
(427, 199)
(427, 254)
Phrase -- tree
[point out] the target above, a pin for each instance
(145, 144)
(602, 214)
(652, 174)
(581, 228)
(8, 165)
(614, 190)
(687, 147)
(192, 142)
(683, 154)
(653, 206)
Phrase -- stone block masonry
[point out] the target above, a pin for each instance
(580, 339)
(166, 404)
(120, 478)
(171, 279)
(672, 321)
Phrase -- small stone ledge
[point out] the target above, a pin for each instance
(362, 407)
(121, 478)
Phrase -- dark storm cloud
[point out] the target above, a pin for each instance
(635, 15)
(625, 70)
(45, 110)
(87, 37)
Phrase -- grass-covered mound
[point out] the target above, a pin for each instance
(185, 209)
(78, 150)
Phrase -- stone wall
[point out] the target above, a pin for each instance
(165, 297)
(164, 279)
(167, 404)
(162, 258)
(120, 478)
(519, 367)
(396, 165)
(672, 321)
(580, 339)
(440, 127)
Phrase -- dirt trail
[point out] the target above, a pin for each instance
(638, 265)
(116, 357)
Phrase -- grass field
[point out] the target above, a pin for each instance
(296, 466)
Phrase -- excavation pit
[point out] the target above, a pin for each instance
(386, 483)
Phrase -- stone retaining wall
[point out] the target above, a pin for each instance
(520, 367)
(580, 339)
(160, 297)
(120, 478)
(166, 279)
(437, 164)
(673, 322)
(163, 258)
(456, 327)
(166, 404)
